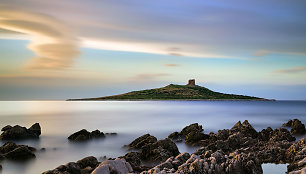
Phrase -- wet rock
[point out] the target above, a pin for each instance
(142, 141)
(17, 132)
(175, 136)
(193, 138)
(83, 166)
(113, 166)
(13, 151)
(133, 158)
(158, 151)
(246, 129)
(193, 128)
(88, 162)
(84, 135)
(296, 155)
(297, 127)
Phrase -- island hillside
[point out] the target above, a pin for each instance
(191, 91)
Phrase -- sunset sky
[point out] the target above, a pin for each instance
(59, 49)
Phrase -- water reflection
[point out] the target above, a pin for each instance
(130, 120)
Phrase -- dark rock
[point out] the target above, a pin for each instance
(142, 141)
(133, 158)
(84, 135)
(297, 127)
(174, 135)
(35, 128)
(83, 166)
(159, 151)
(13, 151)
(193, 128)
(0, 167)
(281, 134)
(245, 129)
(6, 128)
(193, 138)
(43, 149)
(88, 161)
(18, 132)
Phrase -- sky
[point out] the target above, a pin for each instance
(55, 50)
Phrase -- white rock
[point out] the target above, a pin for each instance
(118, 165)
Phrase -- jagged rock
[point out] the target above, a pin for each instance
(193, 128)
(133, 158)
(83, 166)
(158, 151)
(84, 135)
(13, 151)
(174, 135)
(246, 129)
(18, 132)
(193, 138)
(297, 127)
(88, 162)
(118, 165)
(142, 141)
(297, 156)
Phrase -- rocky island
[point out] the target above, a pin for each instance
(191, 91)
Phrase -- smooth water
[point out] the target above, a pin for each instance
(130, 119)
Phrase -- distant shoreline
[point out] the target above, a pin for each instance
(171, 99)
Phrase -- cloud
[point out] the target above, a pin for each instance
(149, 76)
(172, 64)
(51, 40)
(292, 70)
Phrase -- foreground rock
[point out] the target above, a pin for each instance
(192, 134)
(118, 165)
(152, 150)
(84, 135)
(83, 166)
(297, 127)
(17, 132)
(13, 151)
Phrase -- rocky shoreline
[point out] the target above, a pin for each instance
(240, 149)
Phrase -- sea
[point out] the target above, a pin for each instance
(130, 119)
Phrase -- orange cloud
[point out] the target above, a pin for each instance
(51, 40)
(172, 64)
(292, 70)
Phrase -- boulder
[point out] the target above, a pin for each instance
(193, 128)
(118, 165)
(17, 132)
(159, 151)
(142, 141)
(83, 166)
(13, 151)
(84, 135)
(246, 129)
(297, 127)
(133, 158)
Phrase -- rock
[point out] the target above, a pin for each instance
(88, 162)
(18, 132)
(297, 127)
(35, 128)
(245, 129)
(193, 128)
(118, 165)
(174, 135)
(142, 141)
(84, 135)
(0, 167)
(296, 155)
(13, 151)
(158, 151)
(133, 158)
(83, 166)
(6, 128)
(193, 138)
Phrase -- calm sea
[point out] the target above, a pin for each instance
(130, 119)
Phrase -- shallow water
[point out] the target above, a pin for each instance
(130, 119)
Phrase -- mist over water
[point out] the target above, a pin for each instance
(130, 119)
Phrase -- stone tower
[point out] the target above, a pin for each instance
(191, 82)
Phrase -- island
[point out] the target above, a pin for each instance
(190, 91)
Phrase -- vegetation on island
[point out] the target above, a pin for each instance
(175, 92)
